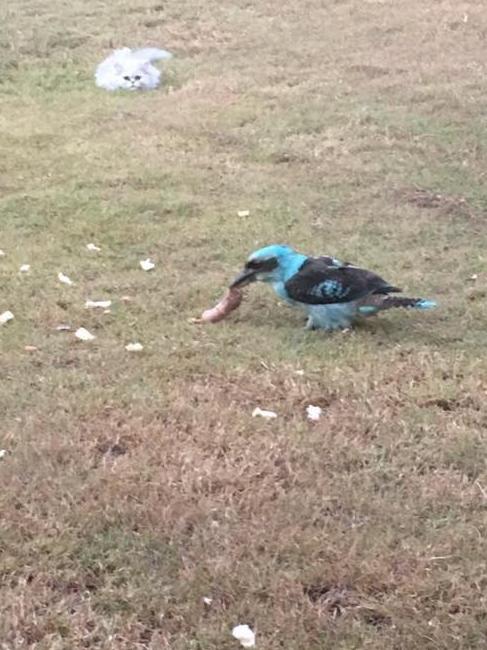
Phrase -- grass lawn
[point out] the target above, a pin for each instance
(136, 484)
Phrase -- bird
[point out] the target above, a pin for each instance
(334, 294)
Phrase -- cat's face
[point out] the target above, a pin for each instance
(133, 75)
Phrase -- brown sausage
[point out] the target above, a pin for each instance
(230, 301)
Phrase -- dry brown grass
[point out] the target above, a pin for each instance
(135, 486)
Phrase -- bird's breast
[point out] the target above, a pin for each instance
(333, 316)
(280, 289)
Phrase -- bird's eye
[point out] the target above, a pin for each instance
(137, 77)
(253, 264)
(263, 265)
(127, 78)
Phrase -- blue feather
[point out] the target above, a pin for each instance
(426, 304)
(368, 310)
(289, 262)
(331, 317)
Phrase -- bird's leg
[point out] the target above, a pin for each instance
(309, 324)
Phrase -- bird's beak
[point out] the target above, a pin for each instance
(244, 278)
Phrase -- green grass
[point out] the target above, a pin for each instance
(135, 485)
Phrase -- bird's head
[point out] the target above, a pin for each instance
(269, 264)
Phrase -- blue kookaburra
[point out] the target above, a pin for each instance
(334, 294)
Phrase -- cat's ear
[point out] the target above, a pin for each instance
(118, 68)
(144, 68)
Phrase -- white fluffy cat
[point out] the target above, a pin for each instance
(130, 69)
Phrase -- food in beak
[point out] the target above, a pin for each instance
(230, 301)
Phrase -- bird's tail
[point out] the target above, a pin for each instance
(152, 54)
(375, 304)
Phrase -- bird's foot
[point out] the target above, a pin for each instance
(310, 324)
